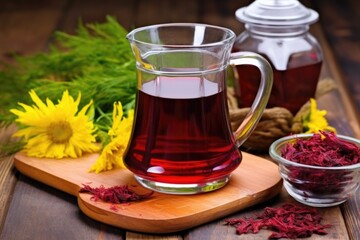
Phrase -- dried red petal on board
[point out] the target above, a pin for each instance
(116, 194)
(288, 221)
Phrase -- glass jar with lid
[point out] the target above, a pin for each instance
(279, 30)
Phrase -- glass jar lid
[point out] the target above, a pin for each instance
(277, 13)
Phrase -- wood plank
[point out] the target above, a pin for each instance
(222, 13)
(26, 26)
(163, 11)
(7, 172)
(39, 211)
(217, 230)
(335, 19)
(7, 184)
(340, 20)
(341, 106)
(94, 11)
(351, 212)
(20, 40)
(135, 236)
(7, 176)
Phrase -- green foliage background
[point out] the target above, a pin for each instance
(96, 61)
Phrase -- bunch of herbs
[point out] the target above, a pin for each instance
(96, 61)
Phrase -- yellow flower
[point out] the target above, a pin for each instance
(112, 155)
(315, 121)
(56, 131)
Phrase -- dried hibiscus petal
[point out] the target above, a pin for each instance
(116, 194)
(324, 150)
(288, 221)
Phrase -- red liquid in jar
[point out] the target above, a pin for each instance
(292, 88)
(182, 134)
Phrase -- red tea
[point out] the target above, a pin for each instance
(182, 133)
(292, 88)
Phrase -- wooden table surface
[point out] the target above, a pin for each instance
(32, 210)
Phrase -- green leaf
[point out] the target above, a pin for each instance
(97, 61)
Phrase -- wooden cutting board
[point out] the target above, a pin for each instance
(254, 181)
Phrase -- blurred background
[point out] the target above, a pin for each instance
(27, 26)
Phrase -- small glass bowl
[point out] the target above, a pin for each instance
(313, 185)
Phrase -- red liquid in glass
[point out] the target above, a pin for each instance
(292, 88)
(179, 136)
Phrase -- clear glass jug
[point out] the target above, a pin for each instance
(278, 30)
(182, 141)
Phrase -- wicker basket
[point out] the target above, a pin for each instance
(275, 122)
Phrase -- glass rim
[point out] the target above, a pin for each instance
(278, 144)
(230, 35)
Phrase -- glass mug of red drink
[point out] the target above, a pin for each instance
(182, 142)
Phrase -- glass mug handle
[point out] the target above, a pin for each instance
(262, 96)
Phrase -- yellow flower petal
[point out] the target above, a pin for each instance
(112, 155)
(56, 131)
(316, 121)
